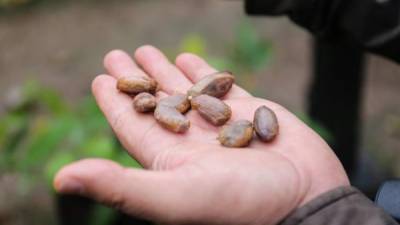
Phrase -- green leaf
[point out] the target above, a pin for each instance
(52, 101)
(126, 160)
(12, 3)
(13, 132)
(195, 44)
(99, 147)
(12, 127)
(102, 215)
(249, 51)
(56, 163)
(47, 138)
(317, 127)
(48, 98)
(92, 117)
(220, 64)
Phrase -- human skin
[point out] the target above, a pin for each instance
(190, 178)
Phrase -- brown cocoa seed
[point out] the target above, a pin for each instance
(265, 124)
(179, 101)
(212, 109)
(217, 85)
(144, 102)
(237, 134)
(134, 85)
(171, 119)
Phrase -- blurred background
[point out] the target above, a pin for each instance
(50, 50)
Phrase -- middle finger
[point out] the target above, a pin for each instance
(156, 64)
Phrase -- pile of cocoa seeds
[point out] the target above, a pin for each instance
(204, 97)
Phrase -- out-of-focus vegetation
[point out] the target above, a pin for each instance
(245, 56)
(41, 132)
(7, 4)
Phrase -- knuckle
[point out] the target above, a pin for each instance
(115, 201)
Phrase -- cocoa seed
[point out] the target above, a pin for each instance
(134, 85)
(179, 101)
(265, 124)
(171, 119)
(212, 109)
(144, 102)
(216, 85)
(237, 134)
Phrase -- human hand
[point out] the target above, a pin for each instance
(191, 178)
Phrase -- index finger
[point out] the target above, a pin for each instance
(133, 129)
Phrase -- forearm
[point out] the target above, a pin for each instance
(369, 23)
(342, 206)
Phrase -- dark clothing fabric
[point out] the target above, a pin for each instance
(342, 206)
(335, 98)
(372, 24)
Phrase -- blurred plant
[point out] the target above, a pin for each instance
(12, 3)
(392, 125)
(194, 43)
(317, 127)
(41, 132)
(247, 54)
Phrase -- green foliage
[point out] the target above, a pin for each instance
(195, 44)
(102, 215)
(249, 51)
(245, 55)
(41, 133)
(13, 3)
(317, 127)
(56, 162)
(392, 125)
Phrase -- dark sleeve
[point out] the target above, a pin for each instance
(372, 24)
(342, 206)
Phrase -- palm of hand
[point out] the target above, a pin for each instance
(199, 180)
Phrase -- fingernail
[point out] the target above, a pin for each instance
(70, 186)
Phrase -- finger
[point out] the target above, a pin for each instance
(153, 195)
(156, 64)
(131, 127)
(195, 68)
(118, 64)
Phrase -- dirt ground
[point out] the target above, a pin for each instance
(62, 45)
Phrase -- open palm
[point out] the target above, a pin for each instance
(191, 178)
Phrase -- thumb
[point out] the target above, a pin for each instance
(147, 194)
